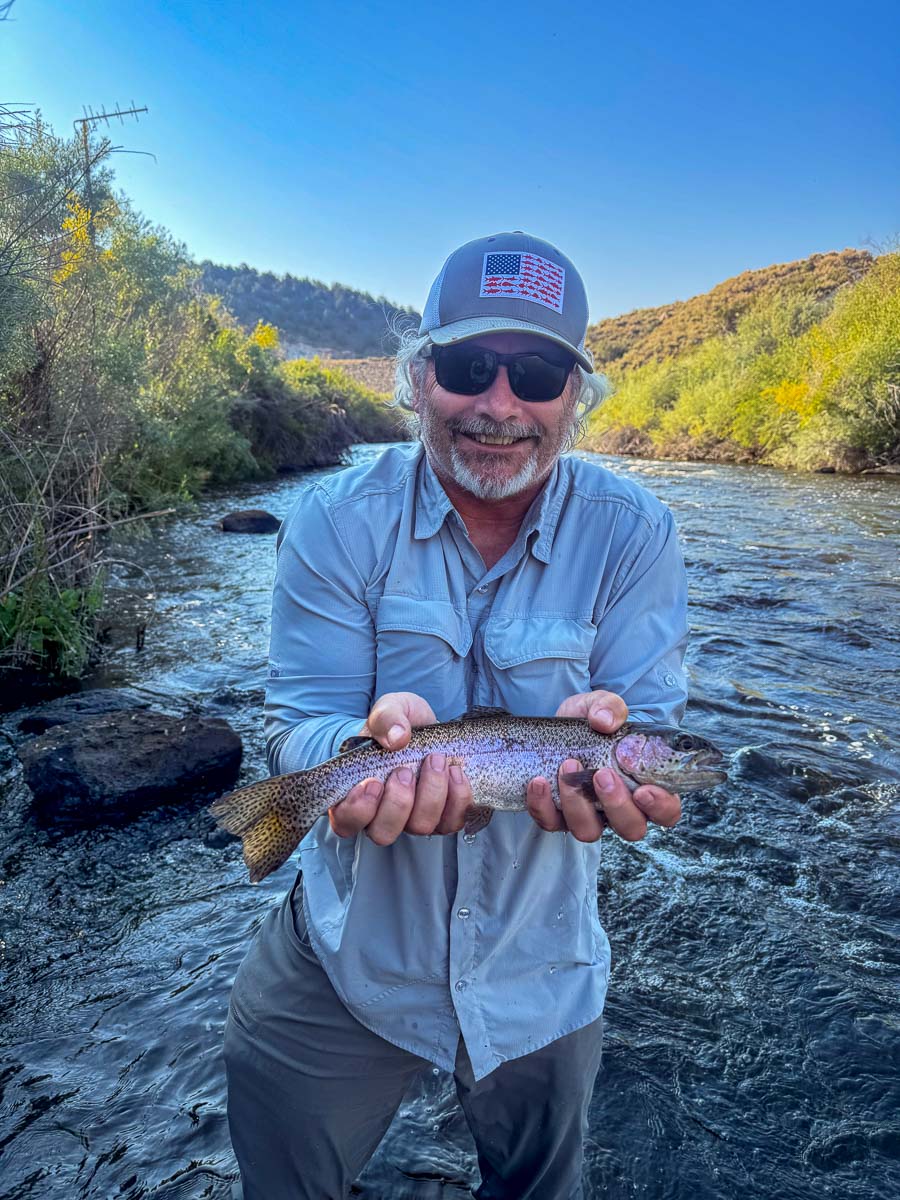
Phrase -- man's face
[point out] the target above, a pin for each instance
(451, 426)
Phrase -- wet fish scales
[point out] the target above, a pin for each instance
(499, 754)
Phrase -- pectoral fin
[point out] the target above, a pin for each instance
(584, 780)
(477, 817)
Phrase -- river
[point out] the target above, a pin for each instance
(753, 1023)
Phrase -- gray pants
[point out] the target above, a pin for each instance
(311, 1091)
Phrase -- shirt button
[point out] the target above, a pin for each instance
(462, 913)
(469, 838)
(669, 680)
(461, 985)
(481, 590)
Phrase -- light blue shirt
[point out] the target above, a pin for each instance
(495, 936)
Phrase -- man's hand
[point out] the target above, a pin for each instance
(625, 812)
(436, 803)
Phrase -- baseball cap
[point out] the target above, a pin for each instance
(508, 283)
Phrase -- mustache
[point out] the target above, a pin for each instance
(489, 428)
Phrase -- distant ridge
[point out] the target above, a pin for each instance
(653, 334)
(311, 317)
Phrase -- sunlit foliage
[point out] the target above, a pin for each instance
(805, 379)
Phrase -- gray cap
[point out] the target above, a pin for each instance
(508, 283)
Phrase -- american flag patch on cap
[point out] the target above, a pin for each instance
(524, 277)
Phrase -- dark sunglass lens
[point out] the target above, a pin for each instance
(466, 370)
(532, 377)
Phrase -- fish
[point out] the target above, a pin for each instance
(499, 754)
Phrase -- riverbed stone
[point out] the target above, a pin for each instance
(94, 703)
(249, 520)
(117, 764)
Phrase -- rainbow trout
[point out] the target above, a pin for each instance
(499, 754)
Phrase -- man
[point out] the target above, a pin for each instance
(479, 567)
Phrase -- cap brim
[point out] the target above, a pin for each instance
(463, 331)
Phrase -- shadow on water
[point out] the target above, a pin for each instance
(752, 1044)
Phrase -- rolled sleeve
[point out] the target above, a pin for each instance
(643, 632)
(322, 648)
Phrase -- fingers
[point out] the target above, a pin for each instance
(393, 716)
(435, 803)
(430, 795)
(357, 809)
(658, 805)
(619, 808)
(459, 801)
(605, 711)
(395, 807)
(582, 819)
(539, 800)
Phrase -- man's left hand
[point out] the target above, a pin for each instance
(625, 812)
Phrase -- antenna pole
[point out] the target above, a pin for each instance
(87, 123)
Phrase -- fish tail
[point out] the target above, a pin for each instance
(252, 814)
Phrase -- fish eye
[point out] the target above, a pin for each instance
(683, 741)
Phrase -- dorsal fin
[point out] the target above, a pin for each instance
(354, 743)
(484, 710)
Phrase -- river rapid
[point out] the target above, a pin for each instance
(753, 1024)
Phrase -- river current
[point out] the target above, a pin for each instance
(753, 1023)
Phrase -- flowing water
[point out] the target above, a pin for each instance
(752, 1042)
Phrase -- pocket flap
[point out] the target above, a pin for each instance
(436, 618)
(509, 641)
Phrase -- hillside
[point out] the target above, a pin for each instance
(794, 366)
(311, 317)
(376, 374)
(648, 335)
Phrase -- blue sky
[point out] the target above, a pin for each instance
(663, 146)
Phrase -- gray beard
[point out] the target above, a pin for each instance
(492, 489)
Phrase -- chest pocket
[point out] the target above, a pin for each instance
(538, 662)
(420, 647)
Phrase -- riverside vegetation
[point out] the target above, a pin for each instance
(793, 366)
(125, 390)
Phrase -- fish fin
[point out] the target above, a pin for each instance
(354, 743)
(267, 846)
(239, 811)
(583, 780)
(251, 813)
(484, 710)
(477, 818)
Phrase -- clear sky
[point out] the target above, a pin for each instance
(663, 145)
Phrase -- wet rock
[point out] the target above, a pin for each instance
(249, 520)
(65, 709)
(888, 469)
(117, 764)
(825, 471)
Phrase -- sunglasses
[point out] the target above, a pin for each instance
(469, 370)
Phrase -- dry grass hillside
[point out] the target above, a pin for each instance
(653, 334)
(374, 373)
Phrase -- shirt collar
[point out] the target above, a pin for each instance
(433, 507)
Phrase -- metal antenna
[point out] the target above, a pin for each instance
(87, 123)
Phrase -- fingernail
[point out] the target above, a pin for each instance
(602, 716)
(607, 783)
(456, 774)
(405, 775)
(438, 761)
(373, 789)
(571, 765)
(395, 733)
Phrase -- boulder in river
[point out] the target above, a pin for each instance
(249, 520)
(112, 766)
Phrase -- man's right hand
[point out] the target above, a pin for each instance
(435, 803)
